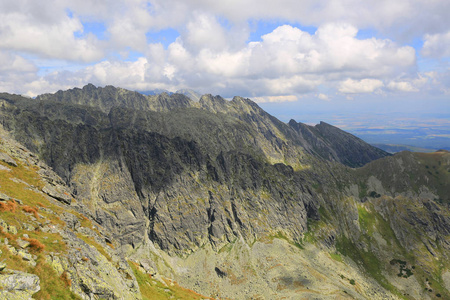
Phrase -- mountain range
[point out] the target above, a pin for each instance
(166, 196)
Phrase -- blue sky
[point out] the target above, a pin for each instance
(291, 56)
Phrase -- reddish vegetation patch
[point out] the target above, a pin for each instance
(35, 244)
(6, 234)
(31, 210)
(8, 206)
(65, 278)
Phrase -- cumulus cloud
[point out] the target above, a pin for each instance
(275, 99)
(351, 86)
(27, 27)
(14, 71)
(204, 32)
(291, 61)
(437, 45)
(287, 61)
(323, 97)
(403, 86)
(212, 52)
(421, 16)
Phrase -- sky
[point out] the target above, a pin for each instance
(296, 58)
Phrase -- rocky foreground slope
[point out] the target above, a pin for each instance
(51, 250)
(232, 203)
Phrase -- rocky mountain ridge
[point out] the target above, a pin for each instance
(222, 188)
(324, 140)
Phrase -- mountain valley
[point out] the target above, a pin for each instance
(132, 196)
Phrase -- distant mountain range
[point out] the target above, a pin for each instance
(426, 138)
(390, 148)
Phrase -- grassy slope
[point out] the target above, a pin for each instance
(20, 183)
(152, 289)
(16, 184)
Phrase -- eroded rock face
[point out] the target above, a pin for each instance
(90, 267)
(107, 190)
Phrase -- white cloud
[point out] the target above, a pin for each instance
(402, 86)
(287, 61)
(32, 28)
(437, 45)
(402, 18)
(15, 71)
(14, 63)
(204, 32)
(226, 64)
(127, 22)
(297, 84)
(351, 86)
(275, 99)
(334, 48)
(212, 53)
(323, 97)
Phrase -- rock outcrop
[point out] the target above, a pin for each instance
(49, 248)
(16, 285)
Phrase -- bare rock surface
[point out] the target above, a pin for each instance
(18, 285)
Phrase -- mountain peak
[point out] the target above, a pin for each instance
(333, 143)
(89, 87)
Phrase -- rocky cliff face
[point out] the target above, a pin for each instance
(223, 189)
(49, 249)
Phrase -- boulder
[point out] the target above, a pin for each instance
(57, 193)
(7, 159)
(18, 285)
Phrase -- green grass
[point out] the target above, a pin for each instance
(228, 247)
(324, 215)
(367, 260)
(336, 257)
(13, 262)
(52, 241)
(362, 190)
(279, 235)
(91, 241)
(152, 289)
(435, 165)
(52, 285)
(367, 220)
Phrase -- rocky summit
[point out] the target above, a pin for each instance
(106, 193)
